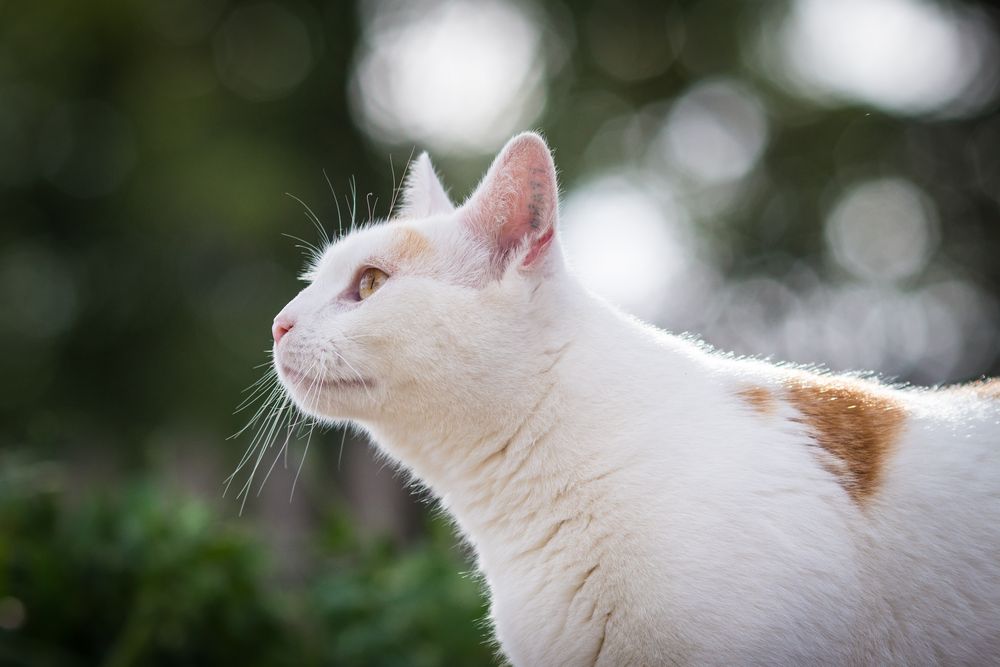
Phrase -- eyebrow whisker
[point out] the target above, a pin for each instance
(313, 218)
(397, 188)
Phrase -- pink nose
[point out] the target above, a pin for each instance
(281, 326)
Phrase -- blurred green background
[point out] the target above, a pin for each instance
(814, 180)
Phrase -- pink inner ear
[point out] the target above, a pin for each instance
(517, 201)
(539, 246)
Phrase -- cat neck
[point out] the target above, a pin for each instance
(592, 373)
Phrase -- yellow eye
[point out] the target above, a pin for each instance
(371, 280)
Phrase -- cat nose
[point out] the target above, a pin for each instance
(281, 326)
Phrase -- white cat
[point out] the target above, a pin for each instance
(632, 497)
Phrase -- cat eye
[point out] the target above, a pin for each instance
(371, 280)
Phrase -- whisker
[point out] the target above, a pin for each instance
(340, 454)
(277, 401)
(267, 374)
(397, 188)
(262, 385)
(290, 427)
(358, 336)
(305, 451)
(311, 252)
(372, 208)
(273, 404)
(258, 392)
(254, 444)
(284, 447)
(269, 353)
(273, 463)
(354, 202)
(308, 246)
(302, 461)
(275, 390)
(340, 222)
(313, 218)
(360, 378)
(245, 490)
(268, 406)
(247, 453)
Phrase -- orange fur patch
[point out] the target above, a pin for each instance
(410, 245)
(853, 423)
(759, 398)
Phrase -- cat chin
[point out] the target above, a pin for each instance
(328, 397)
(335, 403)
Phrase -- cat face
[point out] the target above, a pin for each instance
(431, 308)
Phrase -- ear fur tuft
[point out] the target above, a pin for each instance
(424, 195)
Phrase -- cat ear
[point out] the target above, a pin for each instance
(517, 203)
(423, 195)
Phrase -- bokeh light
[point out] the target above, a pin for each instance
(882, 230)
(37, 292)
(86, 148)
(184, 22)
(628, 43)
(623, 244)
(263, 51)
(907, 56)
(716, 131)
(457, 75)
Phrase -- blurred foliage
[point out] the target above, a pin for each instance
(141, 577)
(391, 608)
(129, 578)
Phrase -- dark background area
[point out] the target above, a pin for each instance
(816, 181)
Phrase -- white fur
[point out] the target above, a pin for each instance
(641, 512)
(424, 194)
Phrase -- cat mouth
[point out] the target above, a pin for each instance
(306, 383)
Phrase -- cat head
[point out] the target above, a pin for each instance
(432, 307)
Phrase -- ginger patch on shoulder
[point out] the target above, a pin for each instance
(759, 398)
(854, 424)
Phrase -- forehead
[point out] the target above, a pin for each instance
(392, 245)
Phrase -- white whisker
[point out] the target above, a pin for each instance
(360, 378)
(340, 220)
(314, 384)
(353, 204)
(275, 391)
(245, 489)
(264, 385)
(312, 253)
(372, 208)
(397, 188)
(305, 451)
(264, 436)
(301, 462)
(268, 403)
(340, 454)
(313, 218)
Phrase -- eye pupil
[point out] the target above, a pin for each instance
(371, 280)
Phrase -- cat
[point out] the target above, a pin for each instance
(631, 496)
